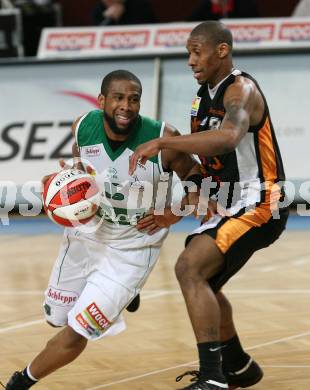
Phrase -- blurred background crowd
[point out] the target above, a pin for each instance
(37, 14)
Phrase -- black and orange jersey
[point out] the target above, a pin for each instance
(252, 170)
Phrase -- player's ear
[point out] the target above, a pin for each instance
(223, 50)
(101, 101)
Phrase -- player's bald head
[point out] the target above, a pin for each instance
(213, 32)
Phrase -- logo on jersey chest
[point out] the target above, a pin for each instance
(113, 191)
(214, 122)
(204, 121)
(136, 184)
(92, 151)
(111, 173)
(195, 106)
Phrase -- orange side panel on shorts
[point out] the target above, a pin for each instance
(235, 228)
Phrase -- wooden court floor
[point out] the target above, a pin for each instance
(270, 297)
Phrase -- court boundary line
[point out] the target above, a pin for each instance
(284, 366)
(21, 325)
(154, 293)
(129, 379)
(151, 294)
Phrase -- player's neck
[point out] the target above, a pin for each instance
(112, 135)
(222, 74)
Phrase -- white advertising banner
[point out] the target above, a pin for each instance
(249, 34)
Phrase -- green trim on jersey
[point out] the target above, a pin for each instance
(91, 132)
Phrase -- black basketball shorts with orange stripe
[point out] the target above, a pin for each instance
(240, 236)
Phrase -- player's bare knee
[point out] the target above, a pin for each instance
(73, 338)
(181, 268)
(185, 270)
(68, 339)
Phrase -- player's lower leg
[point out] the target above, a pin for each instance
(62, 349)
(204, 313)
(238, 367)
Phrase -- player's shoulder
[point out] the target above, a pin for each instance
(87, 125)
(147, 129)
(150, 126)
(241, 86)
(245, 92)
(146, 121)
(90, 116)
(243, 80)
(87, 118)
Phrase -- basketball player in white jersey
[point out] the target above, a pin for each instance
(99, 272)
(237, 146)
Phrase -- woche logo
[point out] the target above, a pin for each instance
(169, 37)
(252, 32)
(125, 39)
(98, 316)
(295, 31)
(71, 41)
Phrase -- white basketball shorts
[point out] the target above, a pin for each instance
(91, 284)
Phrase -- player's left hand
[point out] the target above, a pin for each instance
(152, 223)
(142, 153)
(64, 165)
(193, 200)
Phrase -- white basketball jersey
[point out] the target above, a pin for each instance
(124, 198)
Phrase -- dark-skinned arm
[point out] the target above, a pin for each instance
(75, 149)
(184, 165)
(238, 103)
(77, 163)
(75, 155)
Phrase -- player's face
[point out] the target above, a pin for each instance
(203, 59)
(121, 106)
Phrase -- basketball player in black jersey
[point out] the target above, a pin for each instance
(234, 138)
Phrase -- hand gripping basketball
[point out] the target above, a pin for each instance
(70, 197)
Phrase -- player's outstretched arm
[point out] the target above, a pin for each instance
(238, 102)
(183, 164)
(186, 167)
